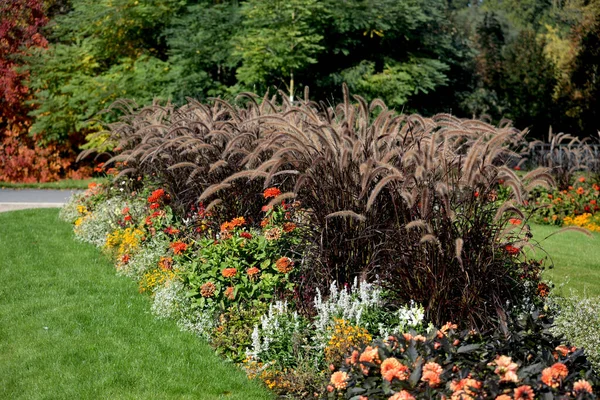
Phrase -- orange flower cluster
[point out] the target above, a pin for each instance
(524, 392)
(505, 369)
(582, 386)
(231, 225)
(271, 192)
(339, 380)
(402, 395)
(166, 263)
(289, 227)
(392, 368)
(465, 389)
(179, 247)
(273, 234)
(229, 272)
(156, 196)
(253, 271)
(284, 265)
(246, 235)
(208, 289)
(230, 293)
(431, 373)
(171, 231)
(554, 375)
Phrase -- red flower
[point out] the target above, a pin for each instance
(271, 192)
(476, 194)
(179, 247)
(171, 231)
(156, 196)
(580, 190)
(128, 218)
(512, 250)
(515, 221)
(246, 235)
(154, 206)
(517, 168)
(125, 258)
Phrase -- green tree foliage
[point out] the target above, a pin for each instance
(533, 61)
(278, 38)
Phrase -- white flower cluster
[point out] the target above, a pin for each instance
(409, 317)
(170, 302)
(275, 323)
(349, 304)
(578, 321)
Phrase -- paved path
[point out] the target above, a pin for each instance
(19, 199)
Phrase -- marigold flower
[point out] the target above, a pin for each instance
(402, 395)
(431, 373)
(246, 235)
(582, 386)
(392, 368)
(207, 289)
(524, 392)
(515, 221)
(230, 293)
(271, 192)
(156, 196)
(339, 380)
(273, 234)
(179, 247)
(229, 272)
(284, 265)
(288, 227)
(252, 271)
(369, 355)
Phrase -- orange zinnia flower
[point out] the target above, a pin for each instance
(271, 192)
(179, 247)
(288, 227)
(402, 395)
(284, 265)
(156, 196)
(246, 235)
(580, 190)
(562, 349)
(273, 234)
(512, 250)
(252, 271)
(392, 368)
(230, 293)
(207, 289)
(339, 380)
(596, 187)
(524, 392)
(154, 206)
(515, 221)
(581, 179)
(229, 272)
(582, 386)
(506, 369)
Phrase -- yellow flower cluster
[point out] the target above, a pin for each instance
(279, 381)
(82, 209)
(155, 278)
(127, 240)
(586, 221)
(344, 337)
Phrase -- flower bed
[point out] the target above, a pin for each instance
(330, 277)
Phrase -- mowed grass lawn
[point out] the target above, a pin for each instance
(71, 329)
(576, 260)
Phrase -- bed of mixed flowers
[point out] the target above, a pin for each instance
(235, 283)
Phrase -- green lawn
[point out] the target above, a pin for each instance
(71, 329)
(63, 184)
(576, 259)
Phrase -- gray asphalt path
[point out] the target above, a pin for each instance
(20, 199)
(35, 196)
